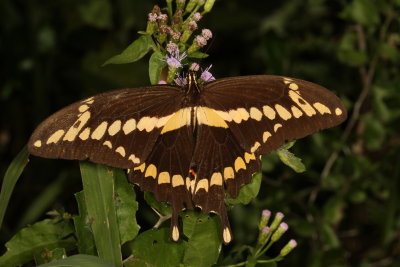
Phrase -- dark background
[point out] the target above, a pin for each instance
(51, 55)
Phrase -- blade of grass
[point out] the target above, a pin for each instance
(10, 179)
(99, 191)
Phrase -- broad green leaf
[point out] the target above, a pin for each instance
(99, 191)
(126, 206)
(80, 260)
(247, 192)
(153, 248)
(41, 236)
(97, 13)
(329, 236)
(198, 55)
(10, 179)
(348, 51)
(204, 239)
(46, 255)
(156, 64)
(133, 52)
(162, 207)
(83, 231)
(290, 160)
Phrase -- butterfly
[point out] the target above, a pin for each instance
(192, 144)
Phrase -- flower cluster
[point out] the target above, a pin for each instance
(174, 30)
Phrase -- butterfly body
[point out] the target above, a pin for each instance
(190, 144)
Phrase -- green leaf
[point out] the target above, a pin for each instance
(247, 192)
(156, 64)
(333, 210)
(10, 179)
(133, 52)
(362, 11)
(99, 191)
(198, 55)
(290, 160)
(162, 207)
(153, 248)
(44, 235)
(46, 255)
(204, 239)
(348, 52)
(83, 231)
(80, 260)
(96, 13)
(127, 206)
(329, 236)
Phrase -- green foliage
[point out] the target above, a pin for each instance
(344, 210)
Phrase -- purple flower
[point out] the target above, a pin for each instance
(206, 75)
(174, 60)
(181, 81)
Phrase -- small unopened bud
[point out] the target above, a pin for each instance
(201, 2)
(197, 16)
(279, 232)
(206, 33)
(194, 67)
(180, 4)
(198, 42)
(152, 17)
(277, 220)
(265, 216)
(172, 47)
(162, 82)
(263, 235)
(192, 25)
(288, 248)
(191, 5)
(175, 35)
(208, 5)
(162, 18)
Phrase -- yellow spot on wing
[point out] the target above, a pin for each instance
(255, 114)
(147, 123)
(177, 180)
(227, 235)
(269, 112)
(321, 108)
(216, 179)
(266, 135)
(163, 178)
(235, 116)
(243, 114)
(255, 147)
(107, 144)
(202, 184)
(55, 137)
(121, 151)
(177, 120)
(114, 128)
(99, 131)
(74, 130)
(140, 167)
(293, 86)
(283, 112)
(224, 115)
(84, 135)
(151, 171)
(248, 157)
(296, 112)
(37, 143)
(129, 126)
(302, 103)
(89, 100)
(338, 111)
(277, 126)
(134, 159)
(83, 108)
(162, 121)
(228, 173)
(239, 164)
(208, 116)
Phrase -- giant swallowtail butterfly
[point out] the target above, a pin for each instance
(189, 145)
